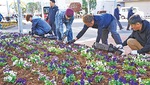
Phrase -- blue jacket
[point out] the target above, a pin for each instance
(116, 13)
(51, 14)
(39, 26)
(101, 21)
(143, 37)
(60, 20)
(130, 13)
(1, 17)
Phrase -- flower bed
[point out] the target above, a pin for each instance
(25, 60)
(5, 25)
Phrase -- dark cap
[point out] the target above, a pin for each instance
(69, 12)
(118, 5)
(52, 1)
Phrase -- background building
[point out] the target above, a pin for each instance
(143, 5)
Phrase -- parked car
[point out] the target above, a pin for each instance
(124, 12)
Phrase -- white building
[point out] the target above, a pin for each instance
(105, 5)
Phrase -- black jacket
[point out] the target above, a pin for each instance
(143, 37)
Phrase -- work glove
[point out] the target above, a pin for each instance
(119, 46)
(134, 52)
(71, 41)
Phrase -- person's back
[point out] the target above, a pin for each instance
(40, 26)
(103, 19)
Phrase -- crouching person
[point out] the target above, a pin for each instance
(39, 26)
(139, 40)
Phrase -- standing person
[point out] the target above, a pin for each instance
(51, 16)
(117, 15)
(105, 23)
(64, 17)
(139, 40)
(130, 13)
(1, 17)
(39, 27)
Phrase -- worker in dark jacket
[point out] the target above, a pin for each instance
(51, 16)
(130, 13)
(39, 27)
(139, 40)
(117, 15)
(105, 23)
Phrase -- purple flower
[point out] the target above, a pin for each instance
(82, 82)
(68, 73)
(130, 72)
(122, 79)
(76, 83)
(132, 82)
(116, 76)
(21, 81)
(114, 59)
(132, 64)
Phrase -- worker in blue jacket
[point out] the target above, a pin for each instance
(105, 23)
(117, 15)
(51, 16)
(39, 26)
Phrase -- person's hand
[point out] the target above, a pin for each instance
(134, 52)
(72, 41)
(119, 46)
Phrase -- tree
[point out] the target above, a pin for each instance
(31, 7)
(13, 5)
(85, 6)
(92, 4)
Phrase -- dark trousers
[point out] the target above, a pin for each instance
(53, 30)
(119, 24)
(128, 26)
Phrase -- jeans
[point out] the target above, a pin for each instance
(113, 29)
(60, 34)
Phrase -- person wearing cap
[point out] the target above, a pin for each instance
(117, 16)
(104, 23)
(64, 17)
(39, 26)
(139, 40)
(51, 17)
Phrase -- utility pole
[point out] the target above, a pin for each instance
(19, 17)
